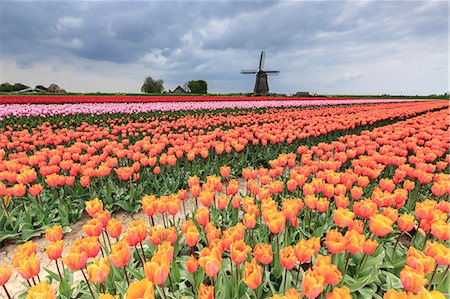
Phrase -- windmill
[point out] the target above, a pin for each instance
(261, 84)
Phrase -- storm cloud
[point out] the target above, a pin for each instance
(357, 47)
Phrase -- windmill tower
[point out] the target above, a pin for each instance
(261, 84)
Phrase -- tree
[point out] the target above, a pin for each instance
(5, 87)
(19, 87)
(152, 86)
(198, 86)
(53, 88)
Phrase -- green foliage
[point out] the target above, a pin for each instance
(198, 86)
(6, 87)
(152, 86)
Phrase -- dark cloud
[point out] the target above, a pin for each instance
(215, 40)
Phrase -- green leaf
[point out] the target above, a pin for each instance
(359, 283)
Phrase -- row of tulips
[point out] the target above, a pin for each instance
(360, 217)
(51, 164)
(75, 99)
(9, 111)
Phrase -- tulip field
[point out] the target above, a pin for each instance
(230, 199)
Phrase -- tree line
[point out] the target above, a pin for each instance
(7, 87)
(157, 86)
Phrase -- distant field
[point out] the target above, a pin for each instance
(68, 99)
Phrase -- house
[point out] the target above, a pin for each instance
(179, 89)
(302, 94)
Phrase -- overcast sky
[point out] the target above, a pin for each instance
(328, 47)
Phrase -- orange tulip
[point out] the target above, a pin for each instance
(405, 222)
(335, 242)
(210, 260)
(380, 225)
(142, 289)
(54, 234)
(202, 216)
(312, 284)
(54, 250)
(263, 253)
(206, 292)
(93, 227)
(98, 271)
(412, 280)
(249, 220)
(439, 252)
(5, 274)
(120, 254)
(340, 293)
(343, 217)
(157, 270)
(40, 291)
(135, 232)
(94, 206)
(252, 274)
(393, 294)
(287, 257)
(149, 204)
(239, 251)
(441, 230)
(276, 223)
(419, 261)
(292, 294)
(171, 235)
(192, 264)
(107, 296)
(29, 266)
(303, 251)
(354, 242)
(369, 246)
(114, 228)
(75, 260)
(222, 202)
(225, 171)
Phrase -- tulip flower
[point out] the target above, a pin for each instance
(114, 228)
(380, 225)
(252, 274)
(312, 284)
(263, 253)
(192, 264)
(141, 289)
(412, 280)
(94, 206)
(41, 290)
(206, 292)
(98, 271)
(120, 254)
(239, 251)
(5, 275)
(29, 267)
(54, 234)
(343, 217)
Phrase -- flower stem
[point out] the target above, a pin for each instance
(363, 261)
(6, 291)
(87, 282)
(345, 268)
(57, 267)
(396, 242)
(126, 275)
(432, 276)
